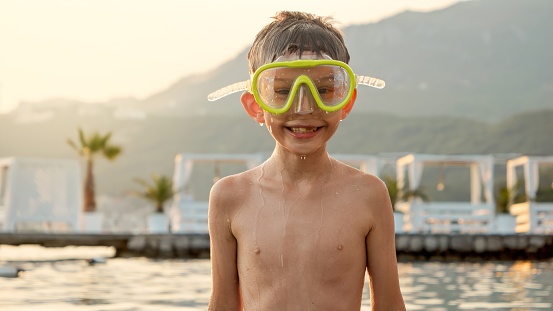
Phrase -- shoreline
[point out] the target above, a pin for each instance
(409, 246)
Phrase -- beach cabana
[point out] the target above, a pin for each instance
(38, 194)
(189, 215)
(474, 216)
(531, 216)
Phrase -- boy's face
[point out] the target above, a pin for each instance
(304, 128)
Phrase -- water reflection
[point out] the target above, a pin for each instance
(517, 285)
(120, 284)
(144, 284)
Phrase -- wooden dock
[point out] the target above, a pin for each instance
(408, 246)
(126, 245)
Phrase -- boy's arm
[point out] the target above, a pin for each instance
(225, 293)
(381, 253)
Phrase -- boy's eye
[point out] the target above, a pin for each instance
(324, 90)
(282, 91)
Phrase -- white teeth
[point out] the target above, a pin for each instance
(303, 130)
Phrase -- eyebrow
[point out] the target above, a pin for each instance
(319, 78)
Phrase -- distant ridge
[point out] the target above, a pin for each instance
(476, 77)
(485, 59)
(482, 59)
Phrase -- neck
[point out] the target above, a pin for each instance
(295, 167)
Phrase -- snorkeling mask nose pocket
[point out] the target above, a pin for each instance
(303, 101)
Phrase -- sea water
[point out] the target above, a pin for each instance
(62, 279)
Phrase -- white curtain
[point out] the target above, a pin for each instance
(511, 175)
(400, 176)
(486, 173)
(475, 183)
(371, 166)
(187, 172)
(42, 191)
(532, 176)
(415, 174)
(182, 174)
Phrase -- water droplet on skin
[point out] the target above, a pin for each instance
(257, 250)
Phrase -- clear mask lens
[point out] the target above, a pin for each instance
(329, 83)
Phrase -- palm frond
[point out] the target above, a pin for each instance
(158, 191)
(141, 182)
(106, 138)
(416, 193)
(95, 143)
(82, 138)
(74, 146)
(111, 152)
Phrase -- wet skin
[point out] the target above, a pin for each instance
(308, 249)
(300, 231)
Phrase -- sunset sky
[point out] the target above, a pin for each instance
(94, 50)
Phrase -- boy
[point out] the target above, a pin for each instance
(299, 231)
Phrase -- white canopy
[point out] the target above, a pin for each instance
(481, 168)
(530, 165)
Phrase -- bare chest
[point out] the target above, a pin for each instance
(301, 234)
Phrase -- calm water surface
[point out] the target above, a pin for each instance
(61, 279)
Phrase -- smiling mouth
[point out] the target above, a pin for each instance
(304, 130)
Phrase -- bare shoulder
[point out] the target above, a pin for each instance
(229, 191)
(372, 185)
(373, 193)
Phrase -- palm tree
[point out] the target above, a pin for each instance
(159, 191)
(391, 184)
(89, 147)
(504, 197)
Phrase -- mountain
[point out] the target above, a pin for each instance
(476, 77)
(485, 59)
(482, 59)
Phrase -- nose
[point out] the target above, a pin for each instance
(304, 101)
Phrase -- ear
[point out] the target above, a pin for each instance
(347, 108)
(252, 108)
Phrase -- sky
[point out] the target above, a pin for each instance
(94, 50)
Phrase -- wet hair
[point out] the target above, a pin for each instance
(297, 32)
